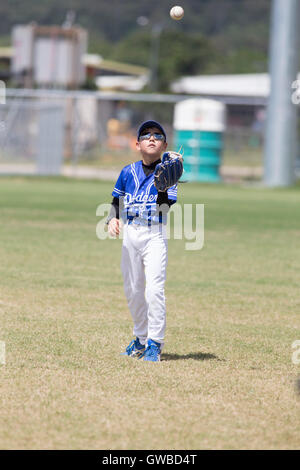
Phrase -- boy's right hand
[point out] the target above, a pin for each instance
(114, 227)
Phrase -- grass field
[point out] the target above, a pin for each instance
(243, 156)
(226, 380)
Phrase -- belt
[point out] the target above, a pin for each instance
(145, 223)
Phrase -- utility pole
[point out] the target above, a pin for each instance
(281, 126)
(154, 58)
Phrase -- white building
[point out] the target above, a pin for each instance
(48, 56)
(255, 86)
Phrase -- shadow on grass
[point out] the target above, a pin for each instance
(196, 356)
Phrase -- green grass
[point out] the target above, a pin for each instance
(226, 380)
(243, 156)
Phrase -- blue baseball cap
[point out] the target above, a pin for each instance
(148, 124)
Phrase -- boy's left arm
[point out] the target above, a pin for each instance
(163, 198)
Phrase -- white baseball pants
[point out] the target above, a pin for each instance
(143, 265)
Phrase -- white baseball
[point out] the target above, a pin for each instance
(177, 13)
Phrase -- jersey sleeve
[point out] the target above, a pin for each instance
(119, 189)
(172, 193)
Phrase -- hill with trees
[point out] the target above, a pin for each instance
(216, 36)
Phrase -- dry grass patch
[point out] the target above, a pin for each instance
(226, 379)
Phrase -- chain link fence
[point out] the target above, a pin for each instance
(31, 137)
(45, 132)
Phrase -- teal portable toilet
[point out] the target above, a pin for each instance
(198, 128)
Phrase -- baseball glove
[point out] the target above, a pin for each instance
(168, 172)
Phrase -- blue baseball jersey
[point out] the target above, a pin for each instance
(139, 195)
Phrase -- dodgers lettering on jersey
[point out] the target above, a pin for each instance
(139, 194)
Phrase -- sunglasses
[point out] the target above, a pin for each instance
(156, 136)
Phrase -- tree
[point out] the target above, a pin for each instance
(179, 54)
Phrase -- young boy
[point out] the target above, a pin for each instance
(144, 252)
